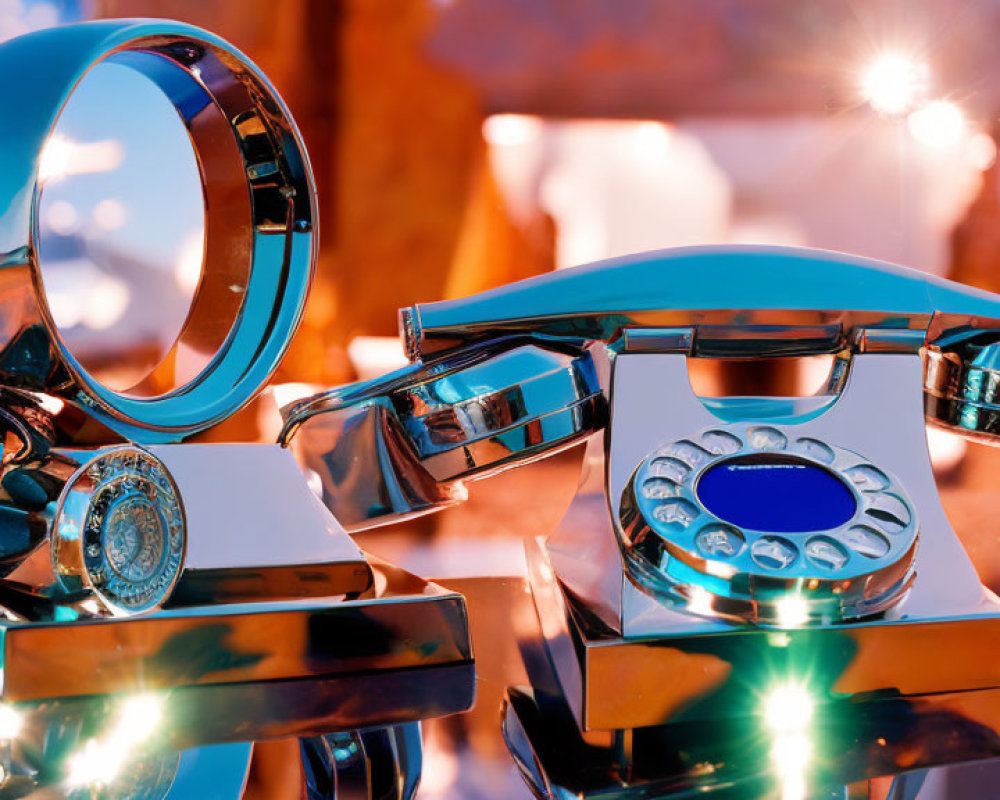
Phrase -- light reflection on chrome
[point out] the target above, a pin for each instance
(101, 760)
(792, 611)
(788, 710)
(11, 722)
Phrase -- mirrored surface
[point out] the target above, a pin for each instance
(122, 216)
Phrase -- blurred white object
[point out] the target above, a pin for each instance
(890, 188)
(938, 124)
(285, 393)
(623, 187)
(947, 450)
(613, 187)
(372, 356)
(18, 17)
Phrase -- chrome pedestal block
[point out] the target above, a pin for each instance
(664, 698)
(708, 669)
(858, 743)
(396, 654)
(881, 691)
(687, 714)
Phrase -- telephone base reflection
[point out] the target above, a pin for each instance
(175, 694)
(691, 711)
(838, 757)
(730, 710)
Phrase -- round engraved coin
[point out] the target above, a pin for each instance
(134, 539)
(131, 543)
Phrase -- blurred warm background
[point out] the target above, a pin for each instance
(462, 144)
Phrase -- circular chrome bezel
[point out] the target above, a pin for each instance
(260, 223)
(80, 539)
(675, 546)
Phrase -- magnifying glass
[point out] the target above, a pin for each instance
(157, 224)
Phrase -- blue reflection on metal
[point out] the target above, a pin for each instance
(213, 772)
(776, 494)
(704, 278)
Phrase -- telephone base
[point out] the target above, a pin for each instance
(624, 660)
(848, 745)
(398, 653)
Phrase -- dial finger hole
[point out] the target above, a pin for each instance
(676, 512)
(670, 468)
(866, 541)
(764, 437)
(814, 448)
(658, 488)
(720, 541)
(690, 453)
(826, 553)
(773, 552)
(889, 512)
(720, 442)
(867, 479)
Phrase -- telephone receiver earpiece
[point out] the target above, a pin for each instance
(402, 445)
(513, 374)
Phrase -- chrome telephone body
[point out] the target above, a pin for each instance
(717, 547)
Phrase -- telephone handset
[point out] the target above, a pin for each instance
(714, 509)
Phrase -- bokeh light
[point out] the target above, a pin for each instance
(893, 83)
(510, 130)
(788, 709)
(62, 157)
(11, 722)
(939, 124)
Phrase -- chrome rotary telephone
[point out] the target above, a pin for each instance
(720, 546)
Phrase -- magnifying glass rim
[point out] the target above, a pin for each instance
(272, 308)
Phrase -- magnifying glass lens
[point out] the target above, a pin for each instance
(122, 225)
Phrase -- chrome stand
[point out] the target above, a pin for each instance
(373, 764)
(322, 670)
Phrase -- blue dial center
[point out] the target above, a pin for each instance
(776, 493)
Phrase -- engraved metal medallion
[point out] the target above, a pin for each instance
(131, 542)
